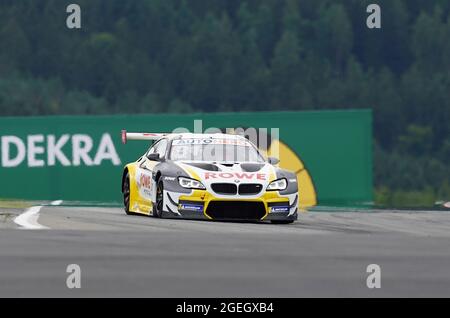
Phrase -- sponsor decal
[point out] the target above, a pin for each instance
(169, 178)
(191, 207)
(237, 175)
(145, 181)
(276, 209)
(210, 141)
(37, 151)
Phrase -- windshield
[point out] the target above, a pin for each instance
(215, 150)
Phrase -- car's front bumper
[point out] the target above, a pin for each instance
(203, 205)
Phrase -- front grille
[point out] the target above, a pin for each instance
(224, 188)
(236, 210)
(250, 188)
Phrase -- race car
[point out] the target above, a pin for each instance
(207, 176)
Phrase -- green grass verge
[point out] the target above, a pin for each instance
(17, 204)
(413, 198)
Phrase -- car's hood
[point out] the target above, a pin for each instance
(212, 172)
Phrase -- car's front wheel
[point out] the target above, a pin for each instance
(159, 204)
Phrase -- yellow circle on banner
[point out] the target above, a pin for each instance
(289, 160)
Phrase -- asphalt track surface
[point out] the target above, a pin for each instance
(323, 254)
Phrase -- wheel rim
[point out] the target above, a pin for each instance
(126, 193)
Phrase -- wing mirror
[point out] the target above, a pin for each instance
(273, 160)
(154, 157)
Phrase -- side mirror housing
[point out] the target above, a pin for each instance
(154, 157)
(273, 160)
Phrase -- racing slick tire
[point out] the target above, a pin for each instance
(159, 204)
(282, 221)
(126, 194)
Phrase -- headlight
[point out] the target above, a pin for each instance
(277, 185)
(190, 183)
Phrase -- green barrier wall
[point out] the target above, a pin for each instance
(334, 146)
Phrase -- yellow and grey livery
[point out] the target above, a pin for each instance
(208, 176)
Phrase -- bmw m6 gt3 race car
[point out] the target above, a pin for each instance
(207, 176)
